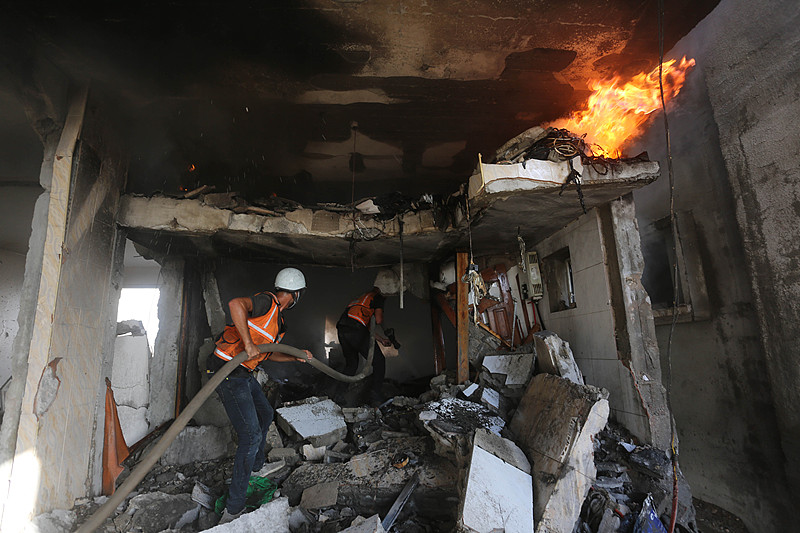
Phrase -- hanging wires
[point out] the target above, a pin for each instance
(354, 127)
(675, 240)
(472, 276)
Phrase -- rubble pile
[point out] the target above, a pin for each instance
(627, 476)
(512, 452)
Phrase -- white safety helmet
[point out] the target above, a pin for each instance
(289, 280)
(293, 281)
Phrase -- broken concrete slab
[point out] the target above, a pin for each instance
(454, 423)
(368, 525)
(502, 448)
(555, 356)
(498, 495)
(555, 423)
(199, 443)
(372, 473)
(321, 423)
(320, 496)
(275, 514)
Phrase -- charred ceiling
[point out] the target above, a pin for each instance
(300, 99)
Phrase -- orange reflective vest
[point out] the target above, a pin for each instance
(264, 329)
(360, 309)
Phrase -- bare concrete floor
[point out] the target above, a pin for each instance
(713, 519)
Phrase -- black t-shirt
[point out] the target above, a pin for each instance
(344, 320)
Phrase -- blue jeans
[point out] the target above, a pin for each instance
(251, 414)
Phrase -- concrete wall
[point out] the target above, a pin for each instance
(734, 146)
(329, 290)
(589, 327)
(67, 356)
(12, 269)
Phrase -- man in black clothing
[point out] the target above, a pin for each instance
(353, 330)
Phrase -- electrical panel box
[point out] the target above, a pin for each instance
(534, 276)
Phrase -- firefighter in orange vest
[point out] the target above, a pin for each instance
(256, 320)
(353, 330)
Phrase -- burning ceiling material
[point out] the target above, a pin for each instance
(617, 109)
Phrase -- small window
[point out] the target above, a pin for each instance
(558, 281)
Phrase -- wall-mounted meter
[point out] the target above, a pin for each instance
(534, 276)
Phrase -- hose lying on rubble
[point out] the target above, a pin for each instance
(149, 460)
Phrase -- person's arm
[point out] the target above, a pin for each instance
(379, 321)
(240, 312)
(285, 358)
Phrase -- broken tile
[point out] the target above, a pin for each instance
(320, 496)
(497, 495)
(516, 368)
(555, 423)
(321, 423)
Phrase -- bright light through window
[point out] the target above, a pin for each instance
(142, 305)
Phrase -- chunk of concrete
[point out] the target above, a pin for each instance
(455, 422)
(497, 495)
(321, 423)
(555, 356)
(555, 423)
(55, 521)
(516, 368)
(312, 453)
(288, 455)
(368, 525)
(274, 439)
(133, 423)
(357, 414)
(156, 511)
(199, 443)
(272, 516)
(320, 496)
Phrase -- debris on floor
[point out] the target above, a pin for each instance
(511, 452)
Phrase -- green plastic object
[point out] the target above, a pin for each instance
(259, 491)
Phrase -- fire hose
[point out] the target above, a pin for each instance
(149, 460)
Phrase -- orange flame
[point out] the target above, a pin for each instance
(616, 110)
